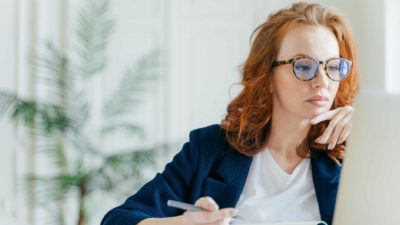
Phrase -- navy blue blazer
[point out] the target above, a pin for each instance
(208, 166)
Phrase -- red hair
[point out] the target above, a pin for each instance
(248, 117)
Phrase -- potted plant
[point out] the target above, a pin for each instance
(59, 123)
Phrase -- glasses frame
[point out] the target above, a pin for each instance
(324, 63)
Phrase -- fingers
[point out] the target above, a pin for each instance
(225, 221)
(330, 114)
(345, 133)
(207, 203)
(324, 116)
(339, 127)
(342, 126)
(332, 124)
(335, 136)
(211, 215)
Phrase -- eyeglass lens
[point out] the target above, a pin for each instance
(307, 68)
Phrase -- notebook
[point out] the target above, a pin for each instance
(285, 223)
(369, 190)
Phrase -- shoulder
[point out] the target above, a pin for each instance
(212, 134)
(209, 143)
(209, 138)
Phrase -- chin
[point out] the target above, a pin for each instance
(312, 113)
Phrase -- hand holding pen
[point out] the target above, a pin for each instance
(204, 211)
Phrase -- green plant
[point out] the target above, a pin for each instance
(59, 122)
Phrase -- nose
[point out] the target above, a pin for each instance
(321, 79)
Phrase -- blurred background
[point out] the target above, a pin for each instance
(97, 95)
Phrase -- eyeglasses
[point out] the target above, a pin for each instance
(306, 68)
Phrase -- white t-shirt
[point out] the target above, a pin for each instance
(272, 195)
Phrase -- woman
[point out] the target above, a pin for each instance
(276, 156)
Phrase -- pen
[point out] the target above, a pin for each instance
(186, 206)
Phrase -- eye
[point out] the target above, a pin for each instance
(303, 67)
(333, 67)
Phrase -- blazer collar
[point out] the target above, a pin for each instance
(325, 168)
(326, 176)
(233, 166)
(232, 173)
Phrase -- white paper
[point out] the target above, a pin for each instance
(281, 223)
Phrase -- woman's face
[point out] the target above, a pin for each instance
(291, 96)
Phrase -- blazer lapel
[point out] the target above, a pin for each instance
(226, 185)
(326, 175)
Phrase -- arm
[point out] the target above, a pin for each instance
(164, 221)
(179, 181)
(210, 215)
(150, 201)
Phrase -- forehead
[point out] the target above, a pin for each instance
(315, 41)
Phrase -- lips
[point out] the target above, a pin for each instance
(318, 100)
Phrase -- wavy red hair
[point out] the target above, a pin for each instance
(248, 117)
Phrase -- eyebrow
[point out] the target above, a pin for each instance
(302, 54)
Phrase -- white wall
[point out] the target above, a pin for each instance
(392, 45)
(204, 41)
(7, 82)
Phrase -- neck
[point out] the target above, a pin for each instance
(286, 134)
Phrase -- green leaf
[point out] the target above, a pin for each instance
(118, 168)
(82, 143)
(7, 103)
(59, 125)
(95, 27)
(136, 80)
(54, 70)
(129, 129)
(53, 147)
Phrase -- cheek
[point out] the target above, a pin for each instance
(333, 90)
(288, 89)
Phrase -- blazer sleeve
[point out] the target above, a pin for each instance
(150, 201)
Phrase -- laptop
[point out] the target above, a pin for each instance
(369, 190)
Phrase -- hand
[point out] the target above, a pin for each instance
(212, 215)
(339, 126)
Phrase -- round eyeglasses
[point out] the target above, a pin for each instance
(306, 68)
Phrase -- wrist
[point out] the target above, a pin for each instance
(175, 220)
